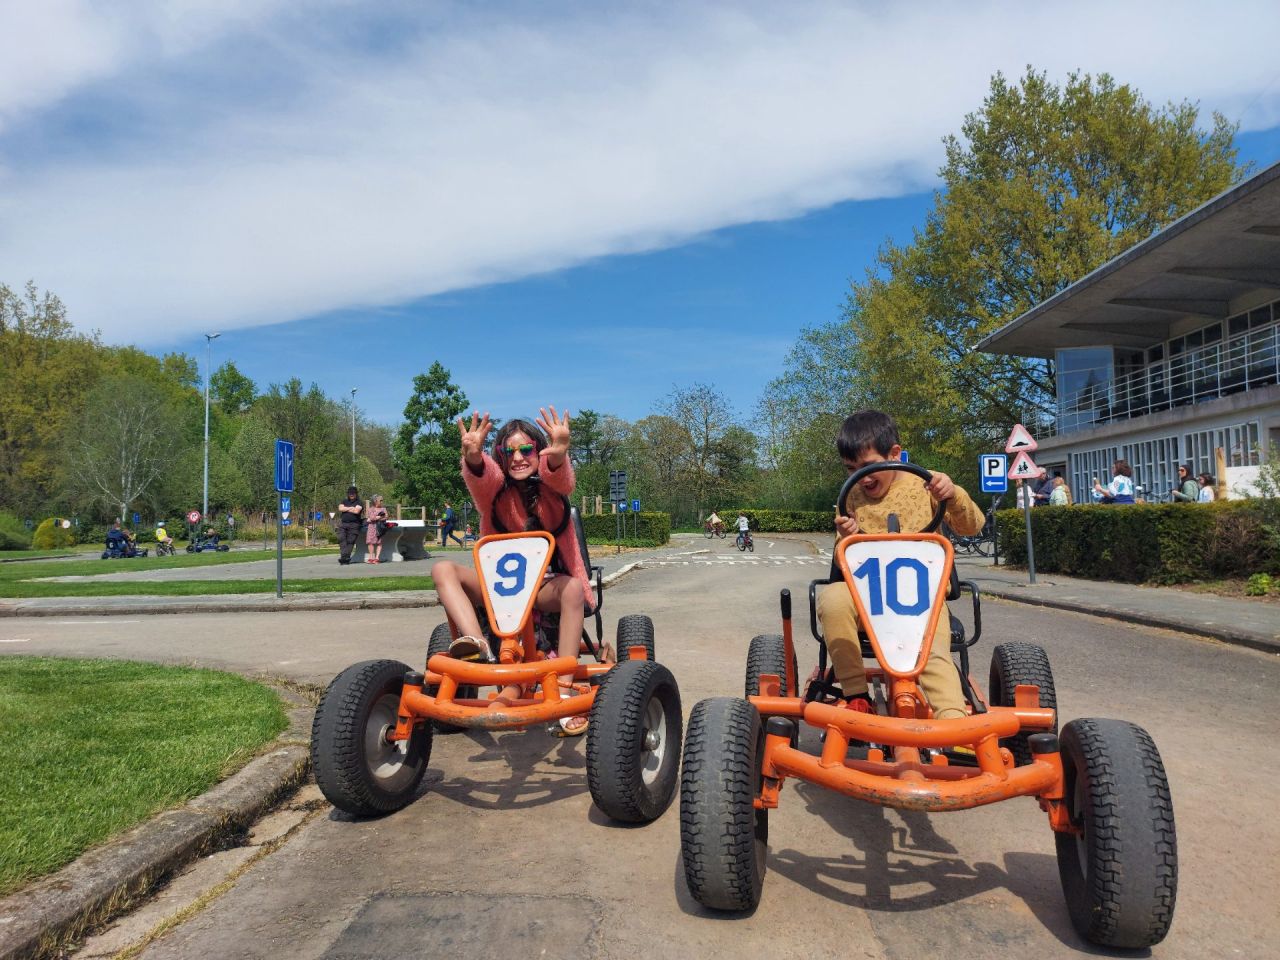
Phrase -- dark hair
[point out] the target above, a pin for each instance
(867, 429)
(530, 490)
(1187, 468)
(1122, 467)
(1208, 480)
(352, 492)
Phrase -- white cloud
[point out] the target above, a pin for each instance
(470, 148)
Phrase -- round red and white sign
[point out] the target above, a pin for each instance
(193, 516)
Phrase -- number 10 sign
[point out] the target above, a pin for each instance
(511, 568)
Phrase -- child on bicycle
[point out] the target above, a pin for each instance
(523, 486)
(871, 437)
(714, 523)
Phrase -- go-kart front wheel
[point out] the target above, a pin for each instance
(356, 767)
(1120, 873)
(441, 638)
(636, 630)
(1017, 663)
(633, 741)
(724, 840)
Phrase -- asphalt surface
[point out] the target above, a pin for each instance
(503, 854)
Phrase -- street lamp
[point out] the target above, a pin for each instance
(353, 436)
(208, 364)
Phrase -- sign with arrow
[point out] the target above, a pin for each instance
(1024, 468)
(1020, 439)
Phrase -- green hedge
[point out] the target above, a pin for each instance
(1148, 543)
(654, 529)
(50, 535)
(14, 534)
(782, 521)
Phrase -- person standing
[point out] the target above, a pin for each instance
(448, 524)
(1206, 489)
(1120, 489)
(375, 530)
(351, 512)
(1188, 489)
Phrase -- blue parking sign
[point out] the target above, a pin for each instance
(284, 466)
(993, 469)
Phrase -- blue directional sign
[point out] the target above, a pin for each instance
(285, 506)
(993, 468)
(319, 515)
(285, 522)
(137, 519)
(904, 457)
(284, 466)
(635, 506)
(623, 506)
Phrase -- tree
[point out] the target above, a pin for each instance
(703, 415)
(321, 444)
(231, 389)
(120, 444)
(428, 447)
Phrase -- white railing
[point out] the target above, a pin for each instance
(1247, 360)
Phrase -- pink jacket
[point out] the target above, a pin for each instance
(485, 485)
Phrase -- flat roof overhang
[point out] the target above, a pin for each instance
(1202, 265)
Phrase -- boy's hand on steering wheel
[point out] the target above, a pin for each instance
(473, 437)
(847, 526)
(556, 429)
(941, 487)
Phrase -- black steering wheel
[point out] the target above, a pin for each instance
(870, 468)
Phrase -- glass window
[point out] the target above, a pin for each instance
(1238, 324)
(1175, 346)
(1155, 353)
(1213, 334)
(1195, 339)
(1260, 317)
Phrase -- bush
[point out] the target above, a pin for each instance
(1145, 543)
(50, 535)
(1259, 585)
(14, 534)
(654, 529)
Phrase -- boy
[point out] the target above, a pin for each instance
(870, 437)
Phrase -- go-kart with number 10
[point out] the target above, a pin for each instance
(373, 729)
(1100, 782)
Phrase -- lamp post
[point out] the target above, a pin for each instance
(208, 364)
(353, 436)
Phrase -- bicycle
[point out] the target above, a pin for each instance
(716, 530)
(744, 541)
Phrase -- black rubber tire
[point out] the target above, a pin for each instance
(768, 654)
(724, 840)
(358, 704)
(741, 544)
(1014, 663)
(751, 545)
(721, 533)
(1120, 875)
(441, 637)
(636, 629)
(633, 742)
(982, 546)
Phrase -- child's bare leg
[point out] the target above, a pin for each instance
(564, 593)
(459, 590)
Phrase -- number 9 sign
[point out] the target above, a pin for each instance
(511, 567)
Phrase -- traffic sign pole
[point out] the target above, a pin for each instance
(1031, 549)
(279, 546)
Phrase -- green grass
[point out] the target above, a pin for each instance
(192, 588)
(91, 747)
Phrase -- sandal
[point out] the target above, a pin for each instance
(562, 728)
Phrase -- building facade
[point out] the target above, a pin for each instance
(1167, 352)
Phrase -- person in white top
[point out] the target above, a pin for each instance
(1206, 488)
(1120, 489)
(743, 523)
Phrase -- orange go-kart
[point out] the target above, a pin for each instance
(372, 734)
(1101, 782)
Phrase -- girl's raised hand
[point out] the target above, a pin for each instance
(556, 429)
(473, 437)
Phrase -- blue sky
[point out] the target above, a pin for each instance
(584, 204)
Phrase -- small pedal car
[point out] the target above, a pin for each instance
(202, 544)
(372, 734)
(1101, 782)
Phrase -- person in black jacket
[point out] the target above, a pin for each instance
(350, 513)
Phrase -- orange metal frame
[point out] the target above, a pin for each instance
(520, 663)
(908, 782)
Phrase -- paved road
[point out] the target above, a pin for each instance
(468, 861)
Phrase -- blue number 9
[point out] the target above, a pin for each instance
(510, 566)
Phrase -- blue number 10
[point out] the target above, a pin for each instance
(870, 571)
(510, 566)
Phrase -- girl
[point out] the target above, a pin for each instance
(372, 540)
(521, 487)
(1206, 488)
(1120, 489)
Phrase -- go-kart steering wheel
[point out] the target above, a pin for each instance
(870, 468)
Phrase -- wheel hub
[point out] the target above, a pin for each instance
(652, 740)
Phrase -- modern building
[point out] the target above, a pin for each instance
(1168, 351)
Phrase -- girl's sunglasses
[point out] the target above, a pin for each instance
(524, 449)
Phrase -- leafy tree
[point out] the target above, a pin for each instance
(120, 444)
(317, 427)
(428, 447)
(231, 389)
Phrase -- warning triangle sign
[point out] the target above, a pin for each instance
(1019, 439)
(1024, 468)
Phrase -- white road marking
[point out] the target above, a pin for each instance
(18, 640)
(90, 623)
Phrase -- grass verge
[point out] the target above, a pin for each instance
(145, 738)
(198, 588)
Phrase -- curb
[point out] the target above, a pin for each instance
(392, 600)
(38, 919)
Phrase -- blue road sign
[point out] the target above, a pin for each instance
(635, 506)
(623, 506)
(993, 469)
(319, 515)
(137, 519)
(284, 466)
(285, 522)
(903, 457)
(284, 506)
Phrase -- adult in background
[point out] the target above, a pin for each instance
(350, 513)
(1024, 496)
(1060, 495)
(1188, 489)
(448, 524)
(1120, 489)
(1206, 494)
(375, 530)
(1043, 489)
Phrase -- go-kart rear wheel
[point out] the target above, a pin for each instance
(724, 840)
(441, 638)
(636, 630)
(356, 767)
(633, 741)
(768, 654)
(1020, 663)
(1120, 874)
